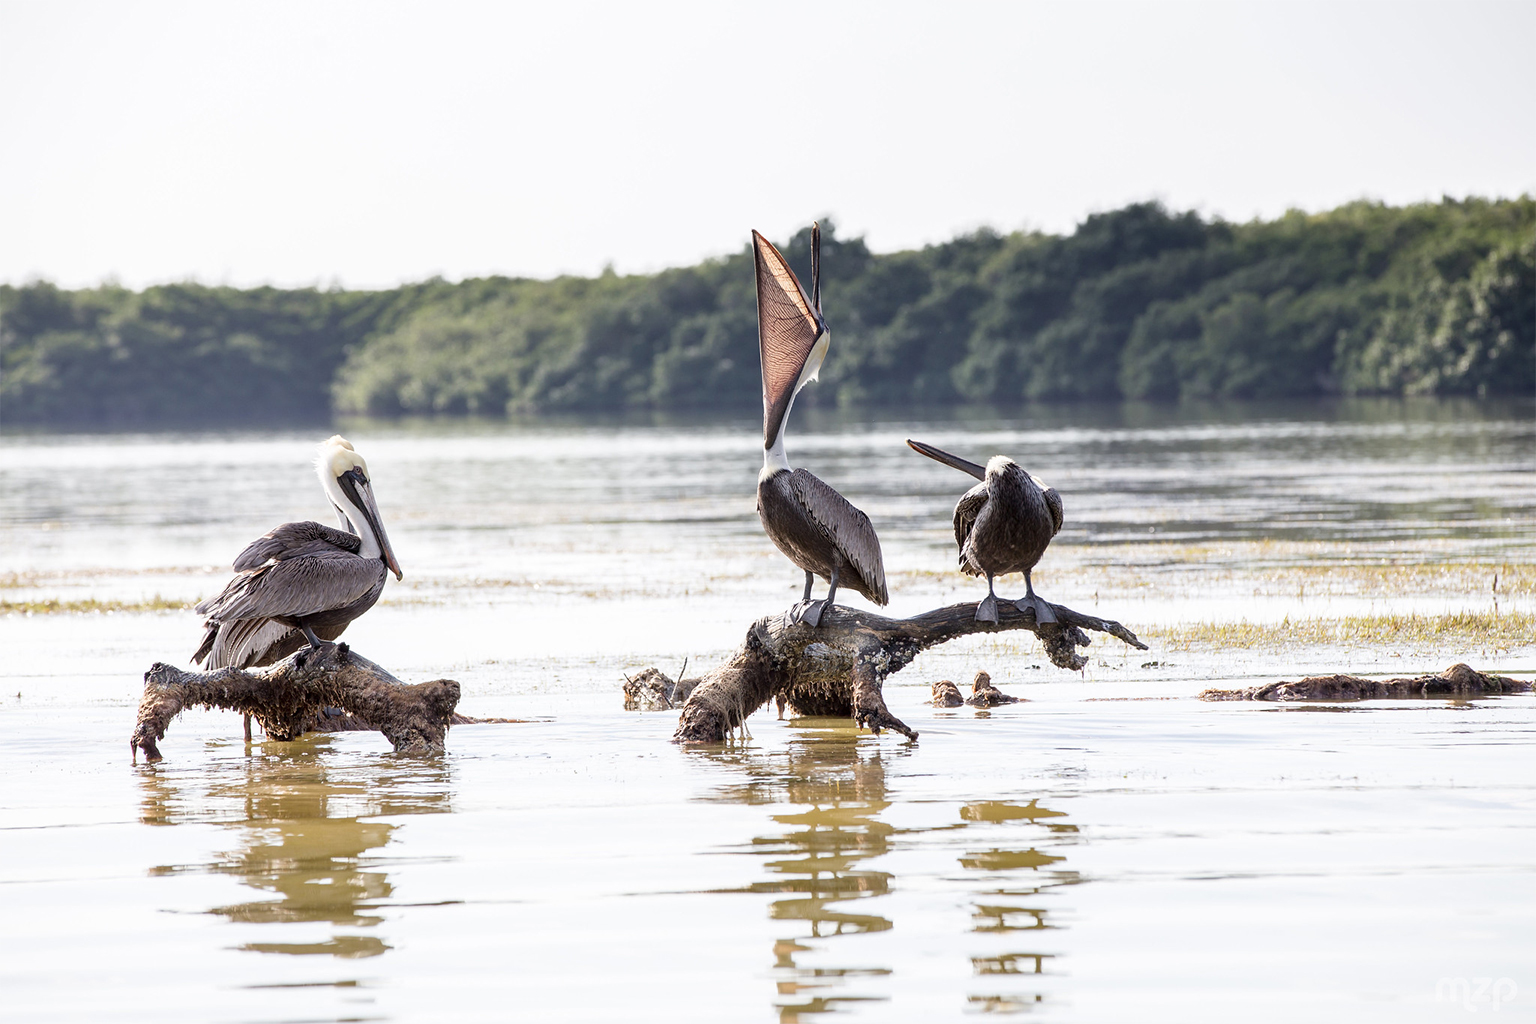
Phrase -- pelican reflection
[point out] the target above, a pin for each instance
(305, 839)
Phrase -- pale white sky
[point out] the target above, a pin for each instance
(374, 143)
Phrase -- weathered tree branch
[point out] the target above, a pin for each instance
(840, 667)
(1456, 681)
(290, 698)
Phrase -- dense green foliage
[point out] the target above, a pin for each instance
(1137, 303)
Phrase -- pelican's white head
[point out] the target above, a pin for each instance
(344, 475)
(336, 455)
(997, 465)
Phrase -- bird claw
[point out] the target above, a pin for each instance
(986, 609)
(301, 658)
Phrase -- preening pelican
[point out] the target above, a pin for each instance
(303, 582)
(809, 521)
(1002, 525)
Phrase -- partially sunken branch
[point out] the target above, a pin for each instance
(840, 667)
(1456, 681)
(291, 698)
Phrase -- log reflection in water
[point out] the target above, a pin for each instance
(815, 860)
(305, 829)
(818, 867)
(996, 917)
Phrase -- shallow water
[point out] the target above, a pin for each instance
(1113, 849)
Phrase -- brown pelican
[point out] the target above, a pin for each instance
(303, 582)
(809, 521)
(1002, 525)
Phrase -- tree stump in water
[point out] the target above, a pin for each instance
(839, 668)
(292, 696)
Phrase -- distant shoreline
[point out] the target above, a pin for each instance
(1139, 303)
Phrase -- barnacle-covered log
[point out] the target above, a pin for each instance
(297, 694)
(1457, 681)
(839, 667)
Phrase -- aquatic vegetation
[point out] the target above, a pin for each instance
(1484, 629)
(1272, 569)
(54, 606)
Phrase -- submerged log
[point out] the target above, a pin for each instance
(839, 668)
(294, 695)
(1457, 681)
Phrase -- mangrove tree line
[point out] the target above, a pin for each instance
(1140, 302)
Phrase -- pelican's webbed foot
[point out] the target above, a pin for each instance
(1041, 608)
(986, 609)
(808, 612)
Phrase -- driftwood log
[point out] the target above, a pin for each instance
(838, 668)
(304, 692)
(1456, 681)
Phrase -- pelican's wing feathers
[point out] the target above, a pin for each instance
(1052, 502)
(294, 539)
(849, 529)
(966, 510)
(243, 643)
(787, 328)
(297, 586)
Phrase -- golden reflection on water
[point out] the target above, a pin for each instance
(303, 831)
(816, 862)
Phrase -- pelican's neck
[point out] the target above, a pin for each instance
(774, 459)
(361, 525)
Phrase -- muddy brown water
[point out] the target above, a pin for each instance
(1111, 849)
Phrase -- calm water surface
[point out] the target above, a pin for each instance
(1111, 850)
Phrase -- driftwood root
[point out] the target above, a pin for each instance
(839, 668)
(300, 693)
(1457, 681)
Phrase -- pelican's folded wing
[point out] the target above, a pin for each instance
(292, 540)
(787, 329)
(242, 643)
(966, 510)
(850, 530)
(297, 586)
(1052, 502)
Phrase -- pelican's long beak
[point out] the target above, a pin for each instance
(372, 511)
(370, 507)
(816, 265)
(953, 461)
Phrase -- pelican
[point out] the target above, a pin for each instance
(303, 582)
(809, 521)
(1002, 525)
